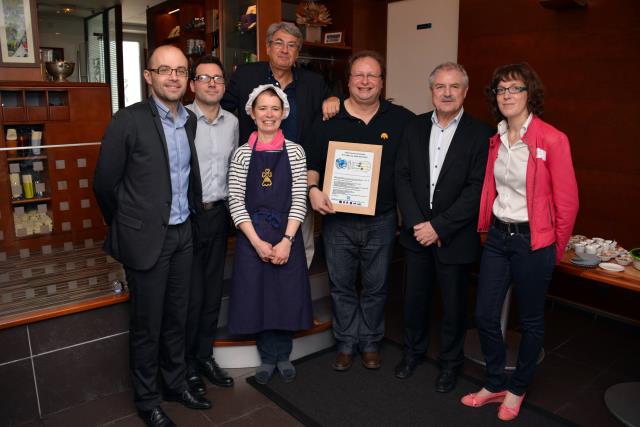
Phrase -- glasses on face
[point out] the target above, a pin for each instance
(511, 89)
(280, 44)
(205, 78)
(165, 70)
(361, 76)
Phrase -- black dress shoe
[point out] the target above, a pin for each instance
(215, 374)
(156, 418)
(189, 400)
(446, 381)
(405, 368)
(196, 385)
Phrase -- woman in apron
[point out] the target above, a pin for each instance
(270, 293)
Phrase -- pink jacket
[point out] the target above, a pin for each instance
(552, 191)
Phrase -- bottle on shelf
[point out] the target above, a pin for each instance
(27, 185)
(36, 140)
(12, 139)
(16, 186)
(37, 181)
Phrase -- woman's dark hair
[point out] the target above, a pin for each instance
(267, 90)
(524, 72)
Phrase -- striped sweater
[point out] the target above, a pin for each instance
(239, 169)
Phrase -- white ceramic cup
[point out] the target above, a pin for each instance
(592, 249)
(579, 247)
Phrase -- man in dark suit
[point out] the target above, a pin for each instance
(146, 182)
(306, 92)
(439, 172)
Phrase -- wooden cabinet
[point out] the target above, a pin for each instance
(50, 140)
(223, 27)
(181, 23)
(204, 26)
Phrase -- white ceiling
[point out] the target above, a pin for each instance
(133, 11)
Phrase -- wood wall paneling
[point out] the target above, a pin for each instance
(588, 60)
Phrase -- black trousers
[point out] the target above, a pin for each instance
(424, 272)
(159, 299)
(211, 229)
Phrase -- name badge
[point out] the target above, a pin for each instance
(541, 154)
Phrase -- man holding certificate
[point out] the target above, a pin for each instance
(439, 175)
(359, 224)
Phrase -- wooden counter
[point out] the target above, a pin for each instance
(627, 279)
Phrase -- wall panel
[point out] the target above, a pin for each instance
(589, 61)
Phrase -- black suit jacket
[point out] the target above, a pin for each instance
(456, 197)
(132, 183)
(311, 90)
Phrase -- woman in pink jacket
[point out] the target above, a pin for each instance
(528, 206)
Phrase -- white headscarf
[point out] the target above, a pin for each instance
(258, 90)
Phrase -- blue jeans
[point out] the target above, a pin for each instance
(506, 258)
(274, 346)
(364, 242)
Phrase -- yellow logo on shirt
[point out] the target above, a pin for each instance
(384, 136)
(266, 178)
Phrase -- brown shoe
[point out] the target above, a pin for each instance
(371, 359)
(343, 361)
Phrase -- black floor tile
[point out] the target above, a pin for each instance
(597, 345)
(63, 331)
(96, 412)
(563, 323)
(14, 343)
(558, 380)
(183, 416)
(587, 408)
(237, 401)
(79, 374)
(18, 401)
(265, 416)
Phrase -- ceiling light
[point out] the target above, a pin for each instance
(66, 9)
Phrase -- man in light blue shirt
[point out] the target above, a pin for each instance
(216, 139)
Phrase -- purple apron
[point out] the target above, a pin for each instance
(265, 296)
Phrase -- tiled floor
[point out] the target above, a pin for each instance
(584, 356)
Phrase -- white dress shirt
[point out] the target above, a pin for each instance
(215, 143)
(439, 142)
(510, 172)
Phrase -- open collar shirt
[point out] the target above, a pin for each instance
(510, 172)
(439, 142)
(215, 142)
(179, 159)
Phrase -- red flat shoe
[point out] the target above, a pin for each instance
(474, 401)
(506, 413)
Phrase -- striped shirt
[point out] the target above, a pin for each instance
(239, 169)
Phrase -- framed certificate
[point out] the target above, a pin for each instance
(351, 176)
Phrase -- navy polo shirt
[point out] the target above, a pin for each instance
(289, 126)
(385, 128)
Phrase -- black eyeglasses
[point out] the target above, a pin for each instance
(205, 78)
(511, 89)
(165, 70)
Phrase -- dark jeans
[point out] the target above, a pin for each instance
(364, 242)
(210, 232)
(159, 300)
(424, 273)
(274, 346)
(506, 258)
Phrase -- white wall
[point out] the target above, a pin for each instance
(62, 31)
(412, 53)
